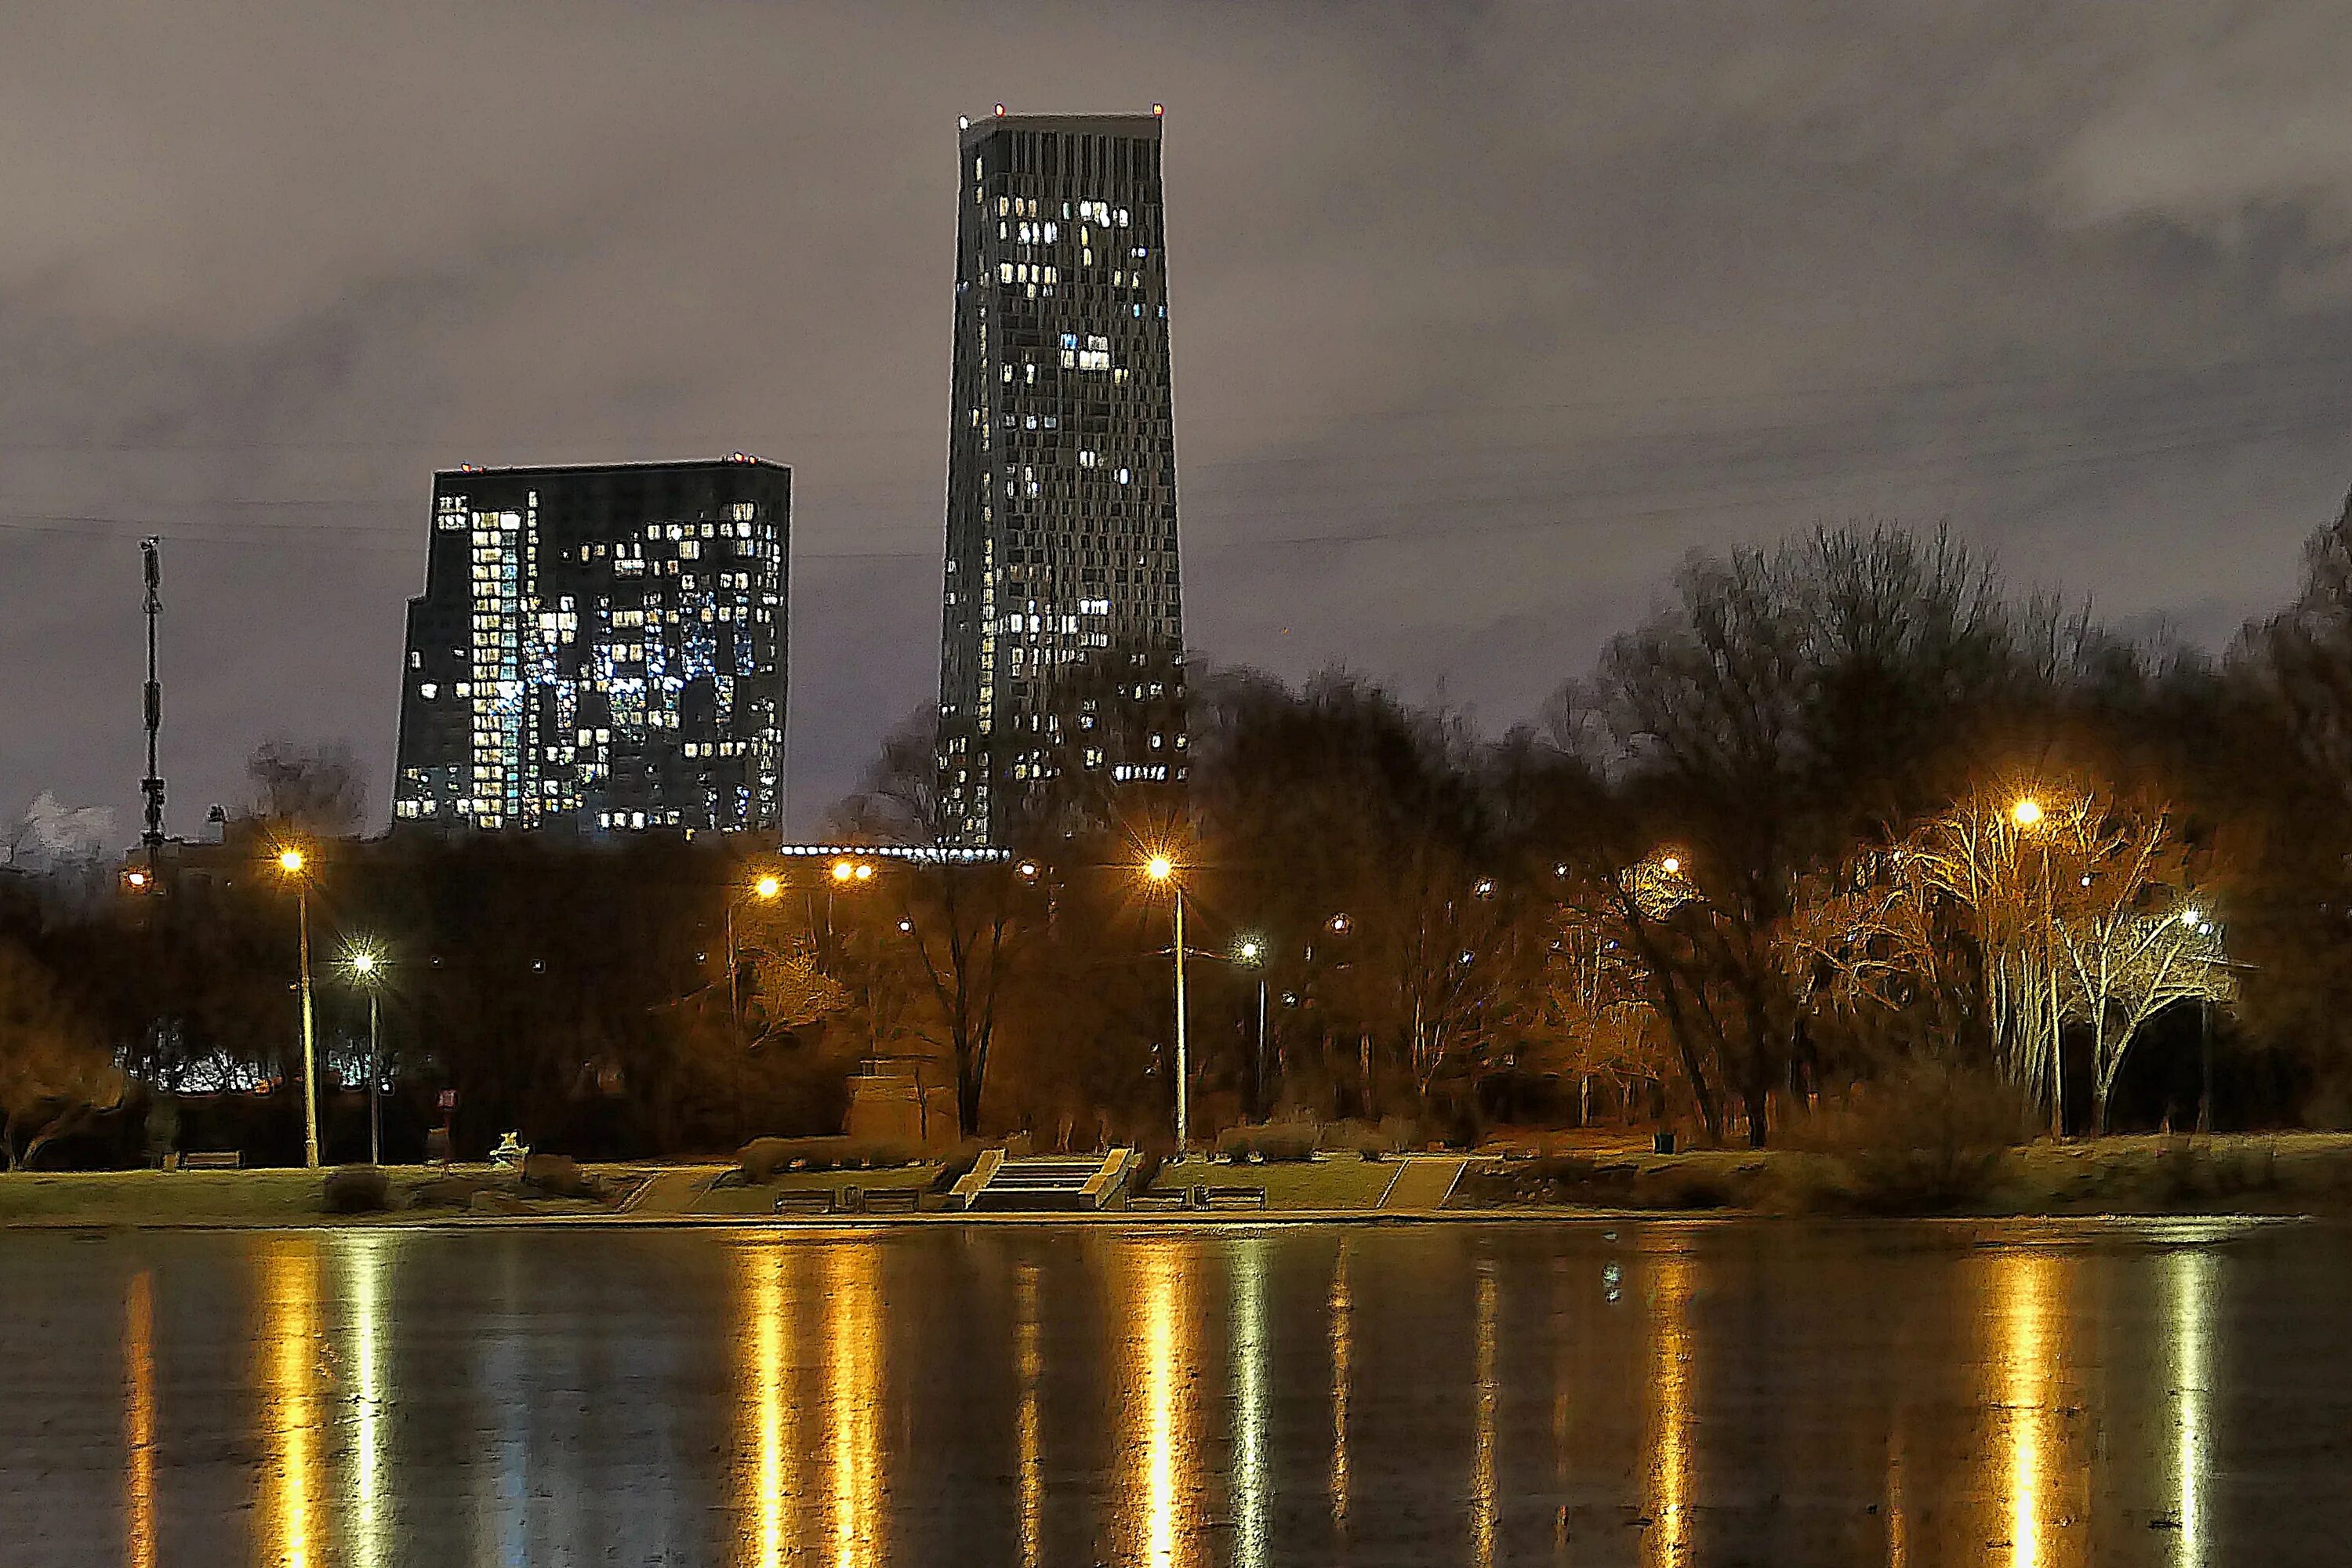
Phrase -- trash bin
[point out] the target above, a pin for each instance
(1663, 1142)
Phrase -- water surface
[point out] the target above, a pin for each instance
(1474, 1394)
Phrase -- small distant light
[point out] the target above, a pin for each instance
(963, 122)
(864, 872)
(1000, 111)
(768, 887)
(1671, 865)
(1159, 109)
(137, 878)
(1028, 868)
(905, 925)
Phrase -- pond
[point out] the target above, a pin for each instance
(1584, 1392)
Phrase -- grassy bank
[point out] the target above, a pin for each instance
(260, 1197)
(2286, 1174)
(2274, 1174)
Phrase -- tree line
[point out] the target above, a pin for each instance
(1835, 807)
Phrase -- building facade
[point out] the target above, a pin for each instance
(600, 649)
(1061, 506)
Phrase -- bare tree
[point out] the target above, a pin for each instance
(314, 789)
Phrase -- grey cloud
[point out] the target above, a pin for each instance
(1485, 315)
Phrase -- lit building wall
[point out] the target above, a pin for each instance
(1061, 531)
(601, 648)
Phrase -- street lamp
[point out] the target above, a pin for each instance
(368, 969)
(290, 862)
(767, 889)
(1252, 952)
(1161, 868)
(2028, 814)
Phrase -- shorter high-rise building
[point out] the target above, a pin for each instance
(600, 648)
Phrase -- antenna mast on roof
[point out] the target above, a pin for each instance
(151, 786)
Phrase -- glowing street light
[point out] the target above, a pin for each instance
(1671, 866)
(2026, 811)
(767, 889)
(1252, 952)
(1161, 868)
(367, 968)
(290, 862)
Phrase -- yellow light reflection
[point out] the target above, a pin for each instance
(1163, 1383)
(2191, 1281)
(1898, 1521)
(367, 1271)
(288, 1346)
(1249, 1358)
(1343, 1327)
(768, 1488)
(1669, 1540)
(1563, 1374)
(139, 1421)
(2028, 1362)
(1029, 1360)
(1482, 1472)
(854, 1385)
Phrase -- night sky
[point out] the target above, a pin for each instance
(1483, 316)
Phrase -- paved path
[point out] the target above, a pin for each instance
(1423, 1184)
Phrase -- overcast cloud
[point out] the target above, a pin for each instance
(1483, 316)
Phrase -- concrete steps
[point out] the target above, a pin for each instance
(1034, 1181)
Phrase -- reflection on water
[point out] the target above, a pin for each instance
(2191, 1278)
(1160, 1372)
(1670, 1410)
(366, 1268)
(1029, 1367)
(288, 1344)
(770, 1410)
(139, 1420)
(2028, 1310)
(1249, 1364)
(1274, 1395)
(853, 1330)
(1482, 1464)
(1343, 1317)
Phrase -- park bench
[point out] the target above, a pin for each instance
(1154, 1203)
(212, 1159)
(805, 1200)
(1236, 1197)
(893, 1200)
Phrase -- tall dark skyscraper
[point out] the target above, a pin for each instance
(600, 648)
(1061, 530)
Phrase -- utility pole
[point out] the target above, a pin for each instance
(375, 1087)
(310, 1038)
(1184, 1117)
(152, 787)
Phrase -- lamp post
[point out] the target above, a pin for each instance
(1252, 952)
(1160, 868)
(2028, 814)
(290, 863)
(766, 890)
(367, 968)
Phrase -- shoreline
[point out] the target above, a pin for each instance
(2242, 1180)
